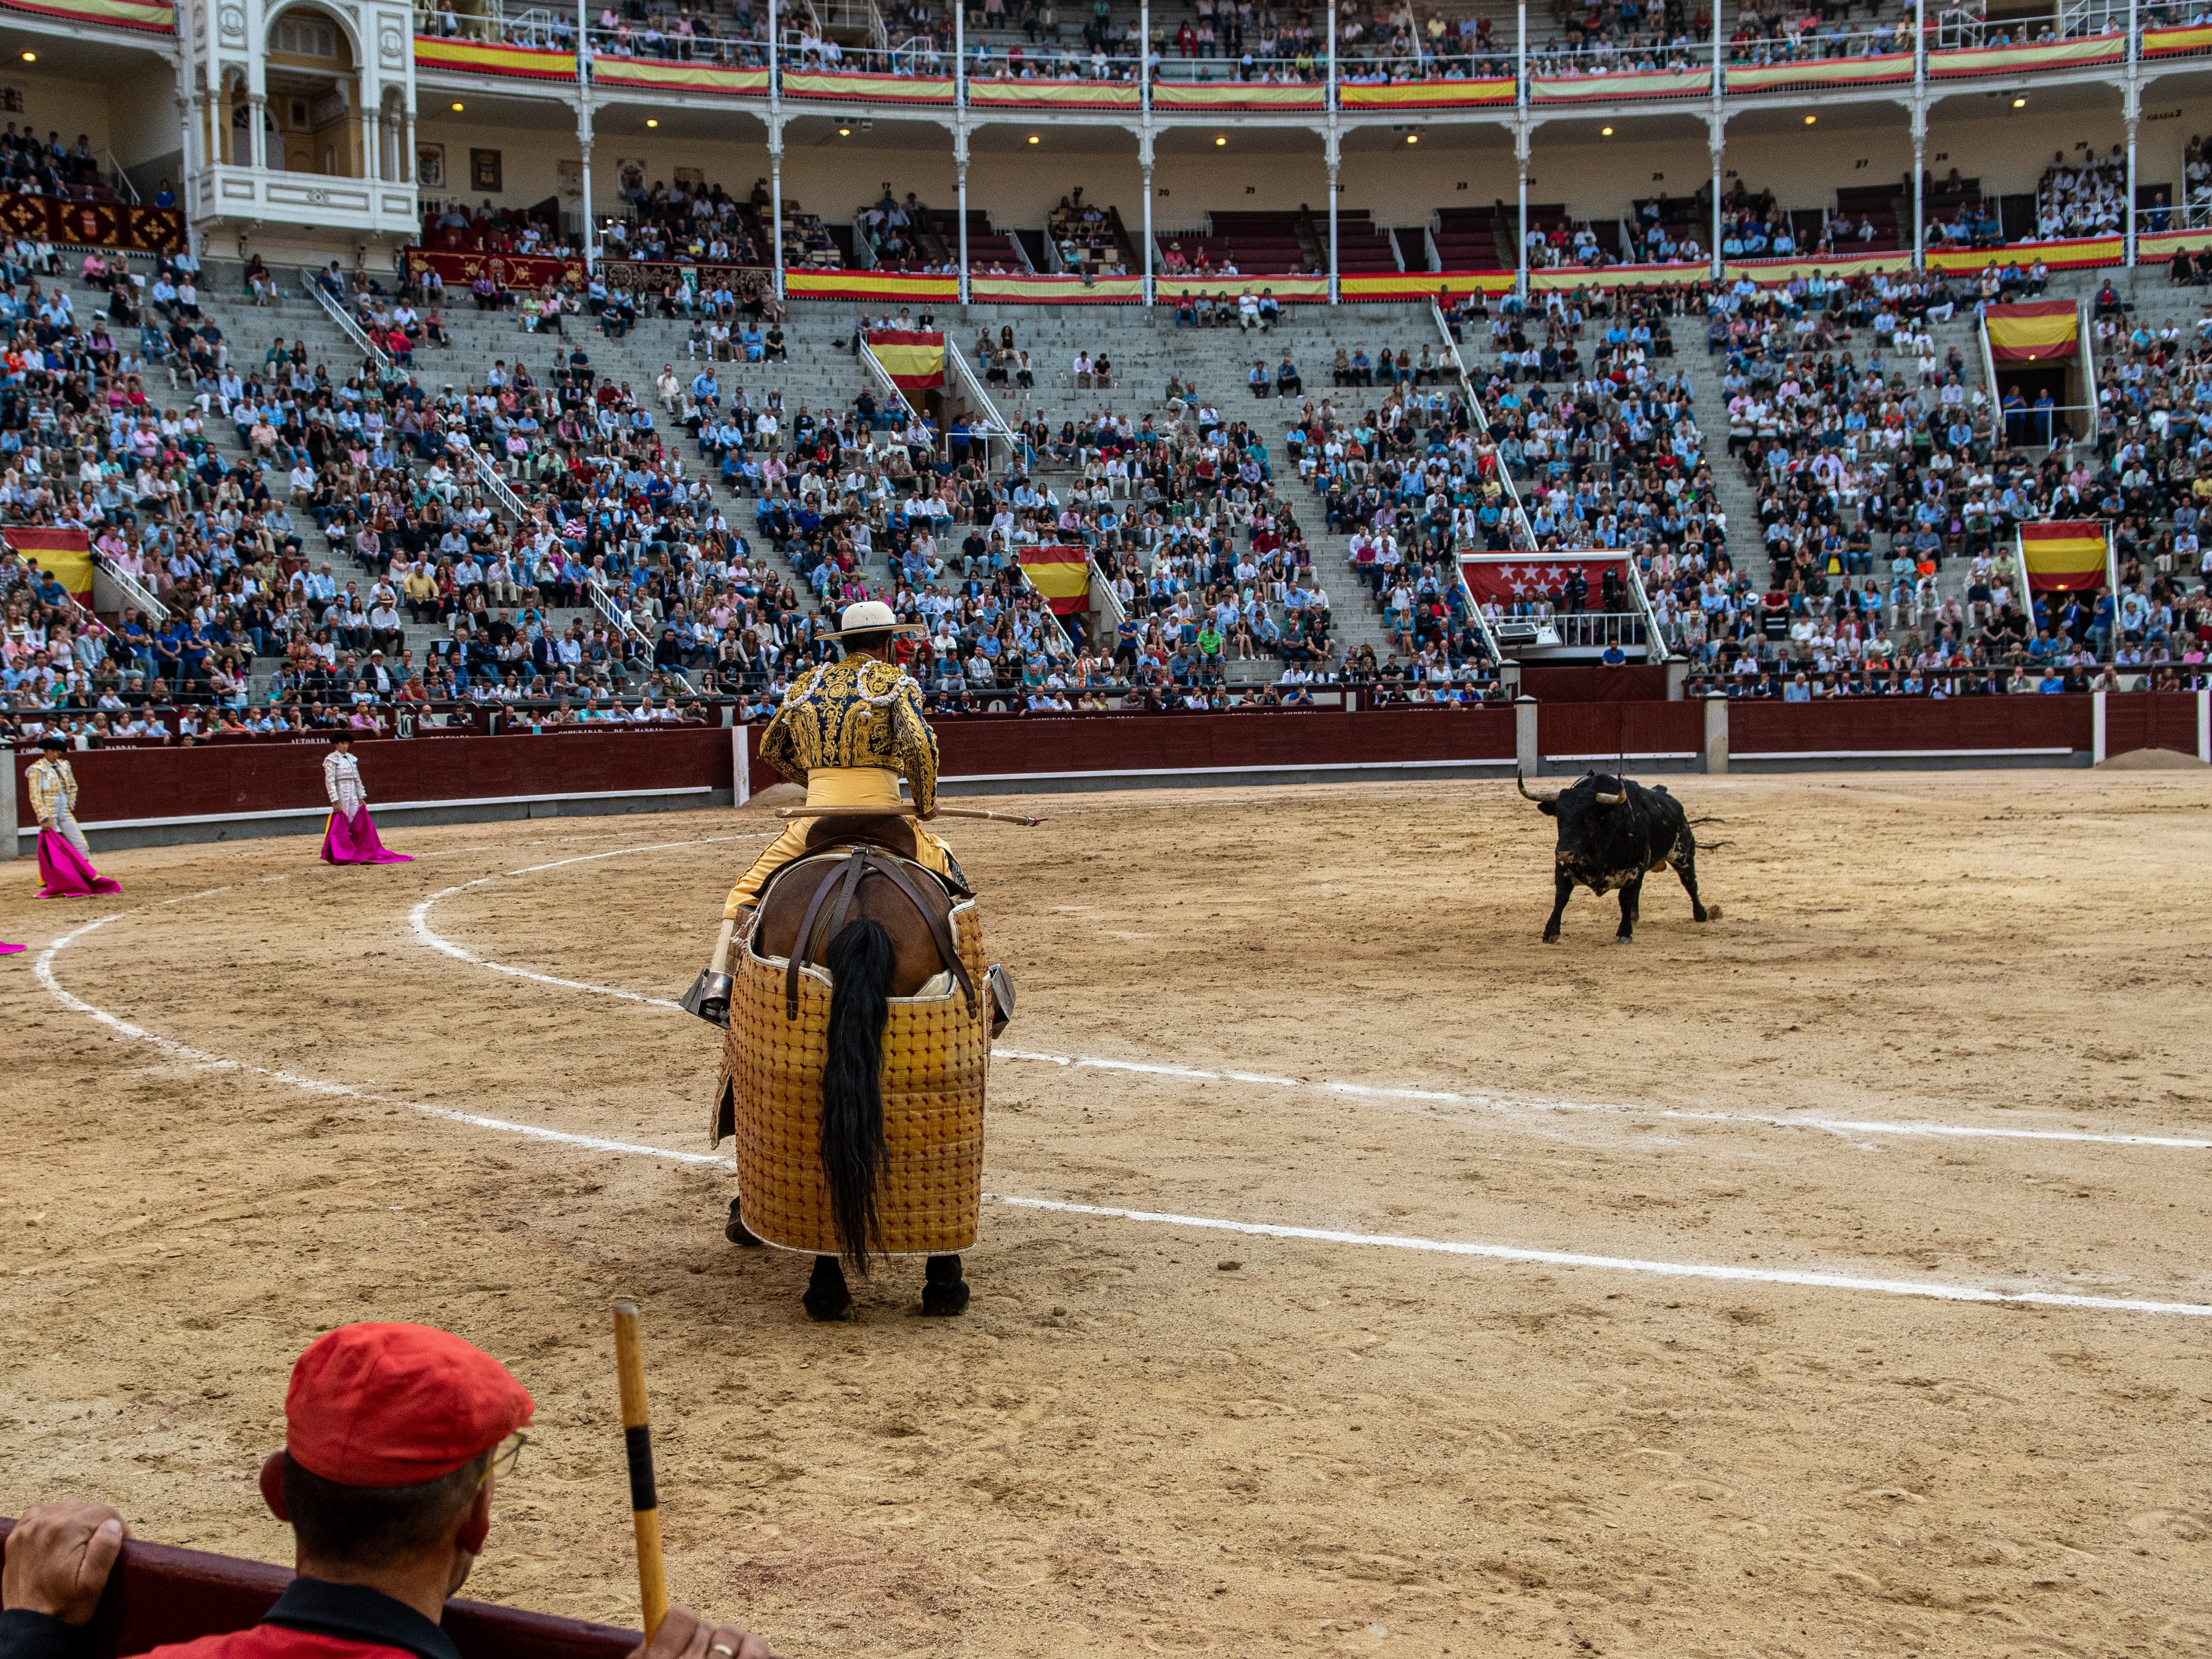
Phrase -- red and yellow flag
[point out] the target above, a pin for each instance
(2034, 331)
(2062, 556)
(1062, 574)
(64, 555)
(914, 360)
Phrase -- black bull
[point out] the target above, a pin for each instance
(1613, 833)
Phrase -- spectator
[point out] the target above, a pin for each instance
(397, 1440)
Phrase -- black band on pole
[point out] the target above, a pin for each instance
(638, 1443)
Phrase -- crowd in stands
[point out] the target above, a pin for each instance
(1875, 465)
(29, 167)
(1084, 235)
(2089, 200)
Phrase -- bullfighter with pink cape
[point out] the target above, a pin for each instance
(64, 856)
(351, 837)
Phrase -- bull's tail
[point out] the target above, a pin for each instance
(860, 960)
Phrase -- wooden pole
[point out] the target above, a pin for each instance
(902, 811)
(637, 1443)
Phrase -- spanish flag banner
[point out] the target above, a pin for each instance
(130, 13)
(482, 58)
(1425, 95)
(874, 88)
(842, 285)
(2040, 330)
(2165, 43)
(1053, 94)
(914, 360)
(1235, 94)
(1821, 72)
(1056, 290)
(658, 74)
(1062, 574)
(65, 555)
(2063, 557)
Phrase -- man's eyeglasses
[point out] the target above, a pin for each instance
(505, 1457)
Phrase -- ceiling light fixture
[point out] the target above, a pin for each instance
(1033, 139)
(844, 132)
(1218, 140)
(1605, 132)
(2017, 103)
(30, 57)
(650, 122)
(1810, 120)
(1413, 138)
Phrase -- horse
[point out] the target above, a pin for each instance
(896, 942)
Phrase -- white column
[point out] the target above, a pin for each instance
(1333, 148)
(1919, 178)
(1333, 141)
(2133, 115)
(1919, 131)
(372, 152)
(592, 249)
(257, 122)
(584, 136)
(776, 194)
(960, 160)
(191, 139)
(1145, 62)
(775, 150)
(1144, 162)
(1717, 138)
(1520, 147)
(1520, 166)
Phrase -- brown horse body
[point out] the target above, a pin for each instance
(878, 923)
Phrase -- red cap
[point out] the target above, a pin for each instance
(394, 1405)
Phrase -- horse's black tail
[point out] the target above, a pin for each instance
(860, 960)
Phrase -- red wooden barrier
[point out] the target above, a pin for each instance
(219, 780)
(1874, 725)
(1198, 743)
(1601, 729)
(1631, 683)
(2151, 720)
(197, 782)
(160, 1593)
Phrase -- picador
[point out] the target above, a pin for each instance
(1613, 833)
(859, 1006)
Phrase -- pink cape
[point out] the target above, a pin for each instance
(65, 872)
(10, 950)
(354, 840)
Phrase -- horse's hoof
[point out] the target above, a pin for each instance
(737, 1232)
(945, 1301)
(825, 1309)
(827, 1296)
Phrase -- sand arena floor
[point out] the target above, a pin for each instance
(1339, 1445)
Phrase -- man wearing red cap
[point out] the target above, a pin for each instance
(395, 1435)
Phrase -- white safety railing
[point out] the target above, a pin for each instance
(1512, 495)
(132, 589)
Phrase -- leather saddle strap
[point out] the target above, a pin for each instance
(940, 929)
(801, 946)
(857, 868)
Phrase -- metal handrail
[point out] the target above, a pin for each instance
(133, 590)
(311, 280)
(1474, 409)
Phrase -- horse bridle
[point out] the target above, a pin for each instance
(815, 930)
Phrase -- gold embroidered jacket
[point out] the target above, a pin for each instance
(857, 712)
(52, 785)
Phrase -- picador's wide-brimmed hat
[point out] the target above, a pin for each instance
(870, 617)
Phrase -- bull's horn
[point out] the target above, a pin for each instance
(1541, 800)
(1610, 800)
